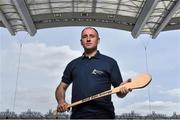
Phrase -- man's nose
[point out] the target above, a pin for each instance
(88, 39)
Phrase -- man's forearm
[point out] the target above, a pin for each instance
(60, 92)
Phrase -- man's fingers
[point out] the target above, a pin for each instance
(129, 80)
(124, 90)
(59, 108)
(130, 89)
(68, 109)
(62, 107)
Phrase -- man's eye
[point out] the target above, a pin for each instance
(92, 36)
(84, 36)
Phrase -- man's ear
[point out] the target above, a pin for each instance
(81, 41)
(98, 40)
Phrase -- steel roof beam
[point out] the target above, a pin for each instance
(118, 7)
(76, 19)
(94, 2)
(50, 6)
(143, 16)
(166, 19)
(72, 5)
(6, 23)
(25, 15)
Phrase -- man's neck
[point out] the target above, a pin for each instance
(90, 53)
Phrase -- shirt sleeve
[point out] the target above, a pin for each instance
(116, 77)
(66, 78)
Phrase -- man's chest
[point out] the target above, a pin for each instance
(93, 69)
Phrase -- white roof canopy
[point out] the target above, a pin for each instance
(137, 16)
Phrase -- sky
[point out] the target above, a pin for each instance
(31, 68)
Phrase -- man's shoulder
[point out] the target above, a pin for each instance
(74, 61)
(108, 58)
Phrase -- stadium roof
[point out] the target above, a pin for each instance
(137, 16)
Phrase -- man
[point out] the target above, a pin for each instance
(90, 74)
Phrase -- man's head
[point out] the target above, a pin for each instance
(89, 38)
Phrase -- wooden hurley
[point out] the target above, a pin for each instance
(137, 82)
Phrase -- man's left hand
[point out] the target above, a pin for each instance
(123, 91)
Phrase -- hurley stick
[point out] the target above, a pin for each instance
(137, 82)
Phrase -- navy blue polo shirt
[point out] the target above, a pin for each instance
(90, 76)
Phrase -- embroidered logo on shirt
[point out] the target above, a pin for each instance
(97, 72)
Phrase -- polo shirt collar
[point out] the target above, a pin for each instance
(97, 55)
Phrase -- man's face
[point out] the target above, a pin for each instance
(89, 39)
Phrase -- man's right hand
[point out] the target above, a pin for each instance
(62, 107)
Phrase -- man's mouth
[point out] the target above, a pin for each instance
(88, 44)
